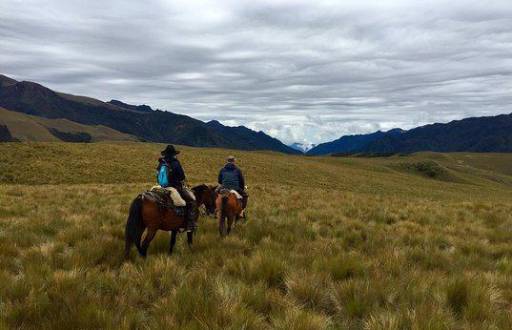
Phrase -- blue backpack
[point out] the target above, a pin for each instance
(163, 175)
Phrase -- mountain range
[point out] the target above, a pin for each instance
(349, 143)
(32, 112)
(477, 134)
(139, 122)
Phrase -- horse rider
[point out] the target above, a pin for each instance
(176, 178)
(231, 177)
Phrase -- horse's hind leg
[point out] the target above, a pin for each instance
(222, 226)
(147, 240)
(128, 246)
(220, 218)
(230, 224)
(173, 241)
(190, 236)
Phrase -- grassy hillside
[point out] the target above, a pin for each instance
(421, 242)
(32, 128)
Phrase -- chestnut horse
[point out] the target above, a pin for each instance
(229, 208)
(146, 214)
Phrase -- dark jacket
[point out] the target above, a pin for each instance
(230, 177)
(176, 173)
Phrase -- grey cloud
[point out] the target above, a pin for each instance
(298, 70)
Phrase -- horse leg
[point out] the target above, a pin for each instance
(220, 217)
(147, 240)
(190, 236)
(222, 226)
(173, 241)
(230, 223)
(128, 247)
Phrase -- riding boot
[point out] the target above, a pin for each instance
(192, 214)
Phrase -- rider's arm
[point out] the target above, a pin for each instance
(241, 180)
(219, 179)
(178, 172)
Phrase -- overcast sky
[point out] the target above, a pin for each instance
(299, 70)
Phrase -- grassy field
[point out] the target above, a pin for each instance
(406, 242)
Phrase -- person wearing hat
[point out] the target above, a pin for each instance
(231, 177)
(176, 178)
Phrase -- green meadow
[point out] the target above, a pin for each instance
(405, 242)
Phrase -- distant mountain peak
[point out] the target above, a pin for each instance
(302, 146)
(214, 124)
(396, 130)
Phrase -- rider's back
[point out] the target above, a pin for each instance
(230, 177)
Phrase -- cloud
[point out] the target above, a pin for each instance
(299, 70)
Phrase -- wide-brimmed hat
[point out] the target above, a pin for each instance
(231, 159)
(170, 151)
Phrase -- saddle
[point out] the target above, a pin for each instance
(170, 193)
(166, 198)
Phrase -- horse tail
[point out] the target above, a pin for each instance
(134, 226)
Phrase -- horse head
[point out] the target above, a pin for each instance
(205, 195)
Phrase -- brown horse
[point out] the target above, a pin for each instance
(205, 195)
(146, 214)
(229, 208)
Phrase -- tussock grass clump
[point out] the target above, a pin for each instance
(331, 243)
(300, 319)
(267, 267)
(309, 290)
(474, 300)
(457, 296)
(341, 267)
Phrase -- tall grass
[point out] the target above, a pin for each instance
(330, 244)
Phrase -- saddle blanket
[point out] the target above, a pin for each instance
(237, 194)
(176, 198)
(224, 191)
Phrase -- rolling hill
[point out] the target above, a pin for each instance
(140, 121)
(23, 127)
